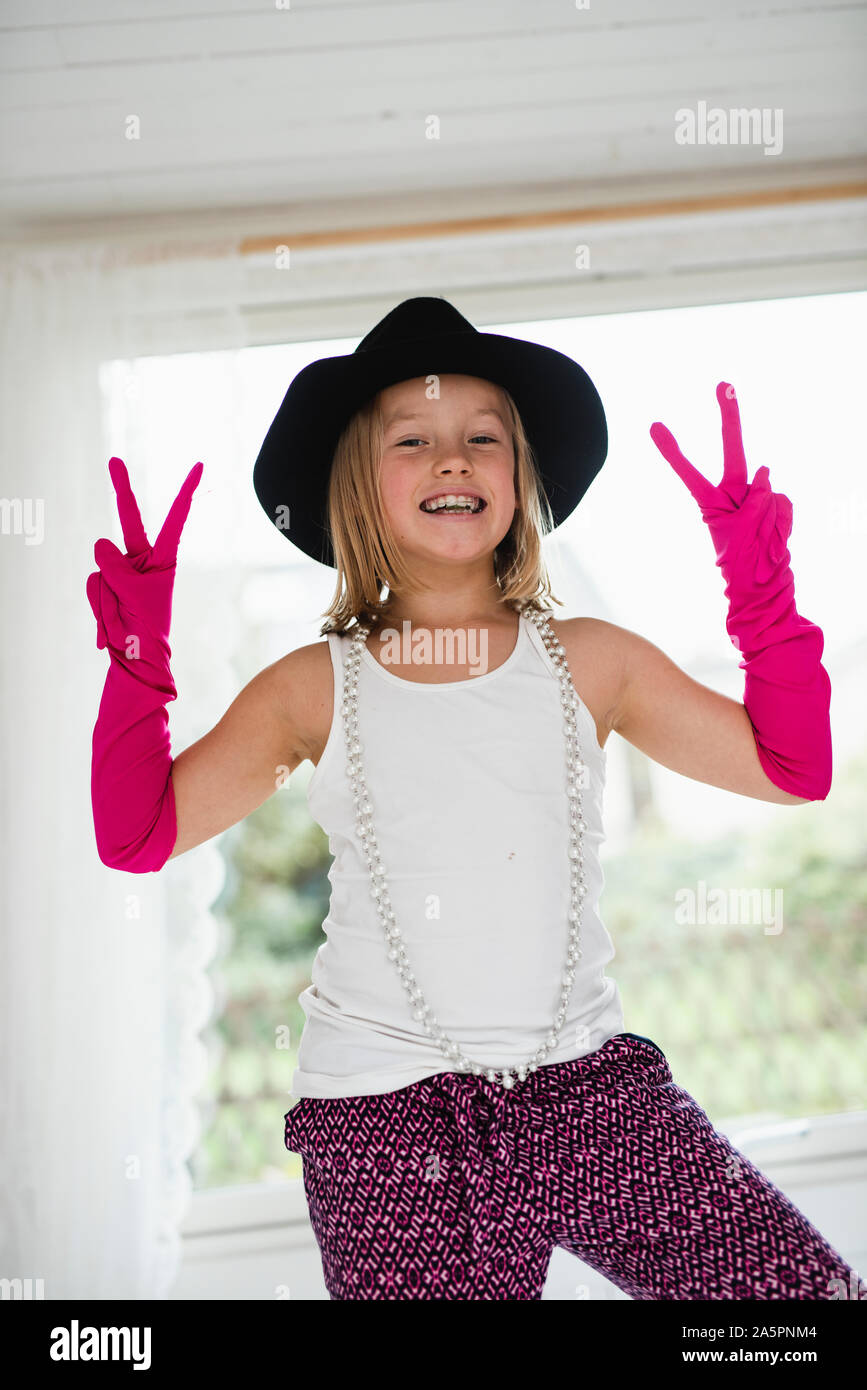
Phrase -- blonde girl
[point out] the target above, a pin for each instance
(467, 1095)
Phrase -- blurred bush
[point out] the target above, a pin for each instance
(759, 1024)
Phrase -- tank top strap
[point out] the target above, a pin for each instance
(535, 637)
(338, 645)
(591, 746)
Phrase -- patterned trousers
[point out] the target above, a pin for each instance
(453, 1188)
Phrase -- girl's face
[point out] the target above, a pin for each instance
(459, 445)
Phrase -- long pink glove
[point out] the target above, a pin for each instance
(131, 597)
(787, 691)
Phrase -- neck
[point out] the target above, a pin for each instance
(459, 604)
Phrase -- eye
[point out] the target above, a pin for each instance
(403, 443)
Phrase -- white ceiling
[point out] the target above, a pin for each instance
(247, 106)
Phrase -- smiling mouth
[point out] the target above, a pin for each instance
(450, 506)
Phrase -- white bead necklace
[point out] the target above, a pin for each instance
(575, 772)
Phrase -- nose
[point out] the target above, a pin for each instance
(454, 458)
(451, 465)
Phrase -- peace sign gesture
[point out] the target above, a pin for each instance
(165, 549)
(134, 591)
(736, 512)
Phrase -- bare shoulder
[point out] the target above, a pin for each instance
(595, 650)
(305, 685)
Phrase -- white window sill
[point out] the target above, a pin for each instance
(255, 1240)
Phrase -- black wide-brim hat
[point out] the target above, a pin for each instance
(560, 408)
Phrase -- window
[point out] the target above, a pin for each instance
(755, 1022)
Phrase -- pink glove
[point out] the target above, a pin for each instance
(787, 691)
(131, 597)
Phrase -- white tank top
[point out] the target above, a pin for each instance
(468, 785)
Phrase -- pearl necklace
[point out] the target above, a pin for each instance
(575, 772)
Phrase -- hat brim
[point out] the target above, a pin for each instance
(560, 408)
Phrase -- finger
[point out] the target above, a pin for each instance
(703, 491)
(115, 567)
(784, 515)
(93, 587)
(106, 607)
(134, 537)
(165, 550)
(734, 462)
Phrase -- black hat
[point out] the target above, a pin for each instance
(560, 408)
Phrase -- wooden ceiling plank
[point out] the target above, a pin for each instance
(248, 89)
(564, 139)
(436, 41)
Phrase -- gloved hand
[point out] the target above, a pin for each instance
(787, 691)
(131, 597)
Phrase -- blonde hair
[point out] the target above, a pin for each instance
(365, 551)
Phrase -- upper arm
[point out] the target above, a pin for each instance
(266, 732)
(685, 725)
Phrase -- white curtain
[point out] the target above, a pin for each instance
(103, 984)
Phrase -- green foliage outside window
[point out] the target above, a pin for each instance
(768, 1025)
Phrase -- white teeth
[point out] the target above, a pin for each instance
(452, 499)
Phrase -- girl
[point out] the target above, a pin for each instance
(468, 1098)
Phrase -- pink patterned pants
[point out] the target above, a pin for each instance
(453, 1188)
